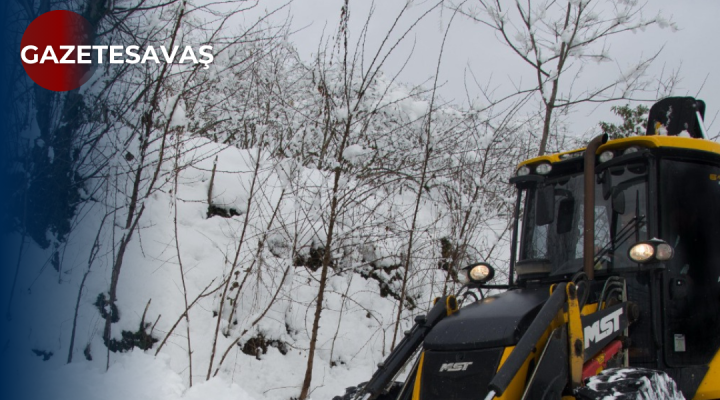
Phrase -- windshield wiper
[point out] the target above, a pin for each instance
(625, 233)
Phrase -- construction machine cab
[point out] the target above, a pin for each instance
(553, 228)
(662, 188)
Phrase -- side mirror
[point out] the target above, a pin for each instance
(565, 215)
(618, 202)
(606, 179)
(545, 205)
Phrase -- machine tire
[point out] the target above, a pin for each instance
(630, 384)
(351, 391)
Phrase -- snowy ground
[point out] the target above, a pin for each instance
(355, 329)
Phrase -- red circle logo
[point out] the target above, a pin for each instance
(55, 50)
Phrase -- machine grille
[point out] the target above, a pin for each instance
(450, 375)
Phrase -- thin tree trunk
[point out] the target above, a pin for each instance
(93, 252)
(337, 329)
(321, 290)
(124, 242)
(423, 181)
(8, 313)
(180, 318)
(549, 107)
(235, 261)
(408, 255)
(179, 258)
(261, 245)
(550, 104)
(255, 322)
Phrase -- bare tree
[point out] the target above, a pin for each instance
(427, 141)
(345, 121)
(556, 40)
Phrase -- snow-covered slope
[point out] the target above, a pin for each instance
(236, 236)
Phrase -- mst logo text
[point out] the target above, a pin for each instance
(602, 328)
(454, 367)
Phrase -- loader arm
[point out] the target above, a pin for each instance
(388, 369)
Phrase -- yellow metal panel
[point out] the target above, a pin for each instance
(505, 355)
(643, 141)
(451, 305)
(416, 387)
(575, 336)
(552, 158)
(517, 386)
(662, 141)
(589, 309)
(710, 385)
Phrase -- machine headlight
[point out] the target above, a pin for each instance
(543, 169)
(524, 170)
(652, 250)
(606, 156)
(642, 252)
(480, 272)
(664, 252)
(630, 150)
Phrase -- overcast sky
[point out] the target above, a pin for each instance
(474, 49)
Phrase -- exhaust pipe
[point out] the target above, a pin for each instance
(589, 206)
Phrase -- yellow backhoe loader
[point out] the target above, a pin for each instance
(614, 282)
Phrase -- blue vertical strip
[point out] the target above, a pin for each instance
(13, 102)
